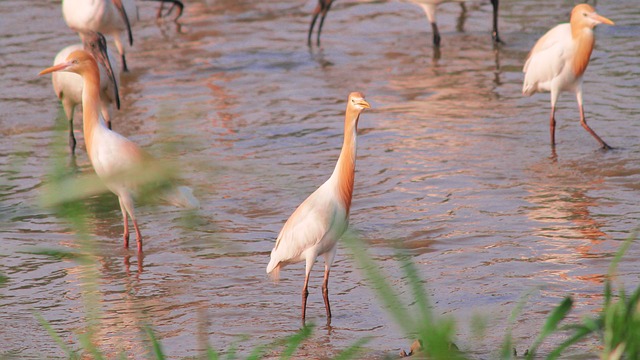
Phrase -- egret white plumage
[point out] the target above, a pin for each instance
(68, 86)
(109, 17)
(317, 224)
(559, 59)
(110, 153)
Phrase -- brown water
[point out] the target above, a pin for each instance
(452, 162)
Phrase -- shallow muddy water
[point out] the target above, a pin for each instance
(453, 163)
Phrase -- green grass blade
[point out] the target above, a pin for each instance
(294, 341)
(211, 354)
(580, 333)
(507, 343)
(352, 351)
(156, 347)
(419, 293)
(390, 299)
(551, 325)
(54, 335)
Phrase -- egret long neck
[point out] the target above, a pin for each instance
(90, 103)
(584, 40)
(344, 172)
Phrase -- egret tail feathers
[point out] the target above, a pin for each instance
(273, 269)
(182, 196)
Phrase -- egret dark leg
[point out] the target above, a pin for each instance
(305, 294)
(552, 127)
(72, 138)
(325, 10)
(316, 12)
(124, 64)
(494, 34)
(436, 34)
(325, 294)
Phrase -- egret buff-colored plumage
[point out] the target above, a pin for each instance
(428, 6)
(68, 86)
(110, 153)
(559, 59)
(316, 225)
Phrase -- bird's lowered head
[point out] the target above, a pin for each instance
(95, 43)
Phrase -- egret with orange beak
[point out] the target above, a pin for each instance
(110, 153)
(559, 59)
(317, 224)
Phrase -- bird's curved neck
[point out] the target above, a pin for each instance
(91, 104)
(344, 173)
(584, 42)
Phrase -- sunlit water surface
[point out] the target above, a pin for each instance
(453, 163)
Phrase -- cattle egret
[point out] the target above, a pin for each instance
(110, 153)
(68, 86)
(316, 225)
(558, 60)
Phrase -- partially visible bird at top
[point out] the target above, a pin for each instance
(317, 224)
(112, 155)
(429, 7)
(559, 59)
(68, 86)
(109, 17)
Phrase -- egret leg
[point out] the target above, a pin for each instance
(436, 34)
(68, 111)
(316, 12)
(325, 293)
(328, 261)
(430, 11)
(106, 114)
(325, 10)
(126, 204)
(120, 47)
(494, 34)
(311, 258)
(305, 294)
(552, 121)
(125, 221)
(583, 122)
(552, 126)
(138, 235)
(159, 14)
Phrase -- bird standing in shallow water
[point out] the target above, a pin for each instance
(111, 154)
(110, 17)
(316, 225)
(68, 86)
(559, 59)
(429, 7)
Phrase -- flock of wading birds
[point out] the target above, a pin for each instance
(556, 63)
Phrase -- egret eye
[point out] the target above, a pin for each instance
(75, 61)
